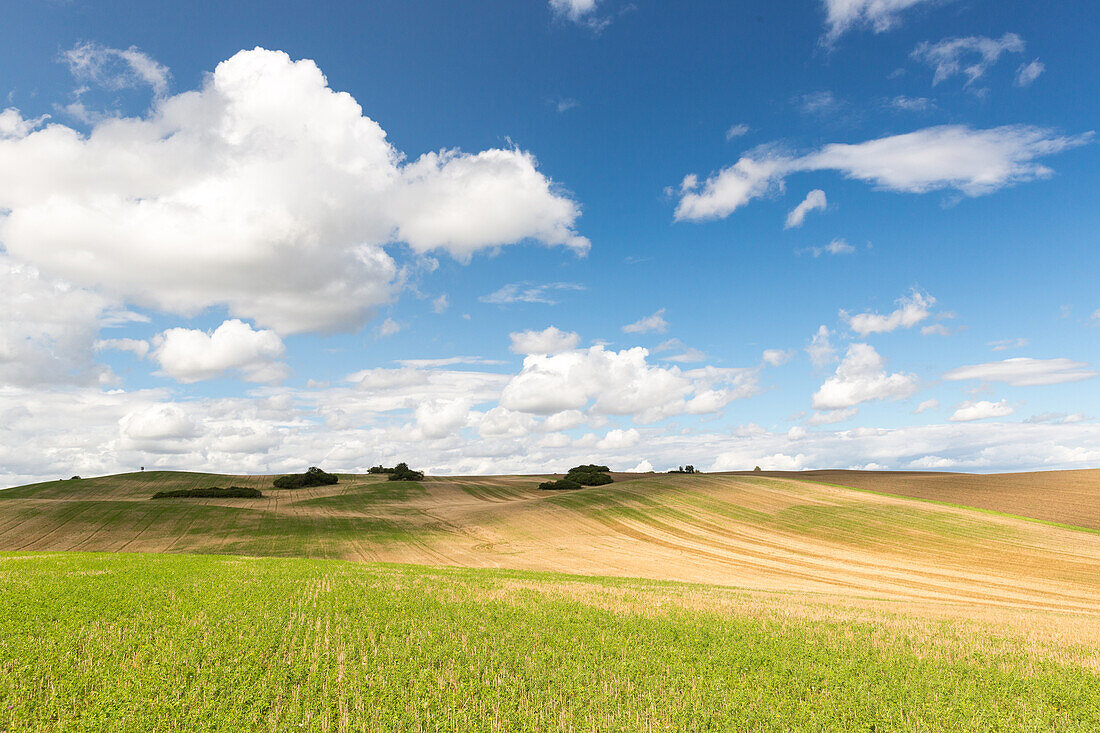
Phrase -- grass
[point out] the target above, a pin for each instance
(96, 642)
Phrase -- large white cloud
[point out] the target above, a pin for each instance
(190, 355)
(621, 383)
(48, 328)
(1025, 372)
(264, 191)
(974, 162)
(861, 377)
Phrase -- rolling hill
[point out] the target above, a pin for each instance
(658, 602)
(767, 533)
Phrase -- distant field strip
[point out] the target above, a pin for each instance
(128, 642)
(1066, 497)
(762, 532)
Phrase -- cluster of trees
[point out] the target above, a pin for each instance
(213, 492)
(313, 477)
(578, 476)
(402, 472)
(685, 469)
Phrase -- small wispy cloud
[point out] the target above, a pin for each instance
(971, 56)
(911, 104)
(654, 323)
(1028, 73)
(1006, 344)
(838, 246)
(814, 201)
(528, 292)
(737, 131)
(564, 104)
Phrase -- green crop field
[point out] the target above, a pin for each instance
(123, 642)
(656, 603)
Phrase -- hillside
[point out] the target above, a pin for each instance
(1067, 497)
(807, 607)
(765, 533)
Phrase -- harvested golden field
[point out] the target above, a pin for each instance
(1067, 497)
(755, 532)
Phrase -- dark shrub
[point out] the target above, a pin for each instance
(756, 469)
(559, 485)
(589, 475)
(212, 493)
(590, 468)
(589, 479)
(313, 477)
(75, 478)
(402, 472)
(380, 469)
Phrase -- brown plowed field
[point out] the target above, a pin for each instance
(1066, 497)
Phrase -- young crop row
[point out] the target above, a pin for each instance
(158, 642)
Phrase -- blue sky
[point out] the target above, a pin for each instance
(279, 237)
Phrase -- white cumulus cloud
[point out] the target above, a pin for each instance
(264, 191)
(968, 411)
(191, 355)
(912, 309)
(550, 340)
(48, 327)
(861, 377)
(621, 383)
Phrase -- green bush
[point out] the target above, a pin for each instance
(559, 485)
(380, 469)
(313, 477)
(402, 472)
(589, 479)
(590, 468)
(213, 492)
(589, 475)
